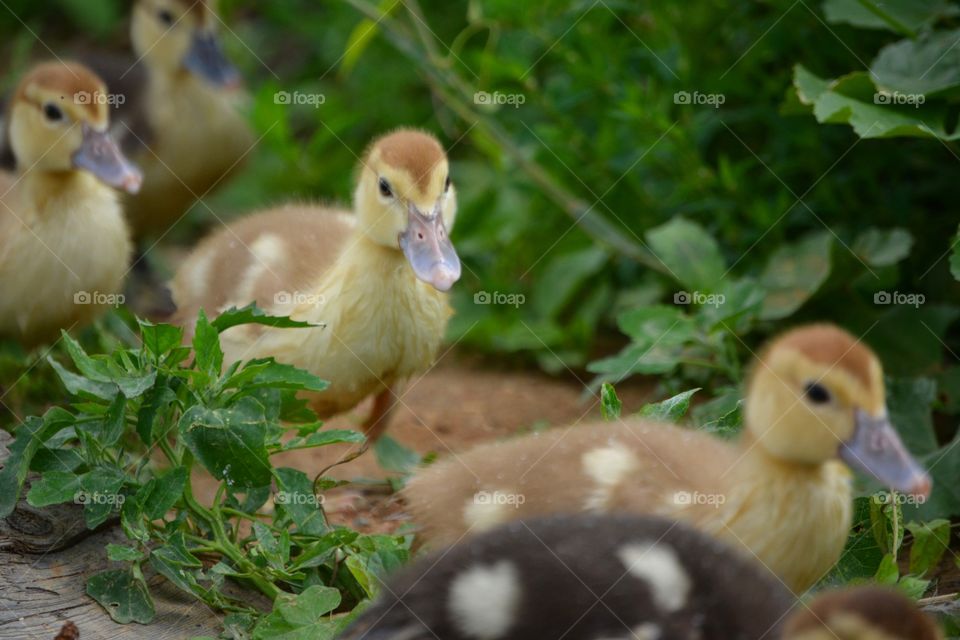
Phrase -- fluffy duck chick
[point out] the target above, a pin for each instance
(374, 280)
(782, 492)
(580, 577)
(64, 244)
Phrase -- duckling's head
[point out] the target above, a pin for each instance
(865, 613)
(406, 201)
(816, 394)
(180, 35)
(58, 123)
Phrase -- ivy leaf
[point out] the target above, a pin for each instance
(301, 617)
(297, 501)
(159, 339)
(905, 17)
(123, 596)
(28, 439)
(324, 438)
(53, 487)
(395, 457)
(883, 247)
(689, 253)
(659, 334)
(160, 494)
(119, 553)
(927, 66)
(267, 373)
(930, 541)
(100, 494)
(669, 410)
(206, 347)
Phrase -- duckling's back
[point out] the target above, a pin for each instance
(580, 578)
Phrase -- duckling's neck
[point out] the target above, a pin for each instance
(40, 190)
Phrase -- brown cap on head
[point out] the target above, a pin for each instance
(75, 84)
(830, 345)
(871, 610)
(413, 151)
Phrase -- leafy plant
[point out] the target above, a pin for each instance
(141, 420)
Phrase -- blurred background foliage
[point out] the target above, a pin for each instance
(620, 211)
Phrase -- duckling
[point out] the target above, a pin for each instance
(580, 577)
(373, 282)
(189, 110)
(864, 613)
(64, 243)
(815, 404)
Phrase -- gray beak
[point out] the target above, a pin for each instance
(206, 60)
(101, 156)
(877, 450)
(428, 249)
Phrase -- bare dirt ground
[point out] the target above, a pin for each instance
(458, 404)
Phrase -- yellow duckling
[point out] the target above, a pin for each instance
(184, 106)
(374, 280)
(815, 404)
(64, 244)
(865, 613)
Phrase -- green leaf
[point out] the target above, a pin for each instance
(887, 572)
(659, 334)
(955, 257)
(323, 438)
(689, 253)
(563, 277)
(301, 617)
(100, 495)
(610, 404)
(123, 596)
(910, 404)
(928, 66)
(119, 553)
(54, 487)
(159, 339)
(267, 373)
(160, 494)
(794, 273)
(669, 410)
(28, 439)
(78, 385)
(113, 421)
(913, 587)
(251, 314)
(230, 442)
(905, 17)
(883, 247)
(395, 457)
(155, 403)
(930, 541)
(206, 347)
(861, 556)
(296, 500)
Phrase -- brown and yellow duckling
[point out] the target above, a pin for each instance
(64, 243)
(814, 407)
(375, 279)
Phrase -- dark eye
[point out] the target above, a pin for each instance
(165, 17)
(446, 185)
(385, 189)
(817, 393)
(52, 112)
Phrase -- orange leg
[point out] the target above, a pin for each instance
(379, 418)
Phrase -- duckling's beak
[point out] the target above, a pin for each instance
(206, 60)
(428, 249)
(876, 449)
(101, 156)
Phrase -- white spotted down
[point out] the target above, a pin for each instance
(484, 600)
(659, 567)
(645, 631)
(607, 466)
(482, 515)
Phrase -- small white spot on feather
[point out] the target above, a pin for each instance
(483, 600)
(659, 567)
(607, 466)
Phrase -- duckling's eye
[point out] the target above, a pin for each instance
(385, 189)
(52, 112)
(817, 393)
(165, 17)
(446, 185)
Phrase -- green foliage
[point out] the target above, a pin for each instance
(96, 451)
